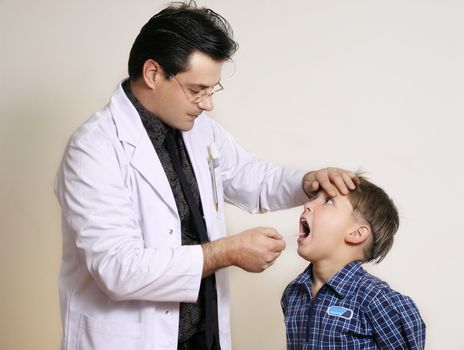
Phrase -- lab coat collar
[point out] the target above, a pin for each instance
(128, 124)
(144, 158)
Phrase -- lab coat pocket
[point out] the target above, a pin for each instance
(108, 335)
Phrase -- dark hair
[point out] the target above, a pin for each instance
(172, 35)
(374, 206)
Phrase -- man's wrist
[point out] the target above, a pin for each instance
(218, 254)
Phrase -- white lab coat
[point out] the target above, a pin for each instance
(124, 270)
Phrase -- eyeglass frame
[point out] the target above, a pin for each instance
(200, 95)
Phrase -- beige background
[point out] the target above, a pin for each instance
(371, 84)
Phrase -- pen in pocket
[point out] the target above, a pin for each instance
(213, 163)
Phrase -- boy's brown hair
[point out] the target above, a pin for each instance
(371, 204)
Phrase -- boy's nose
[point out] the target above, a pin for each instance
(308, 206)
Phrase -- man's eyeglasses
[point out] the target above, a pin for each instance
(198, 96)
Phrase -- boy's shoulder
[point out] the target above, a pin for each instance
(373, 291)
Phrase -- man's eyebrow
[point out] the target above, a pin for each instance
(203, 86)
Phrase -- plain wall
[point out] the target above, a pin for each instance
(376, 85)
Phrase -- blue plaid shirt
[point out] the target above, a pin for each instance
(353, 310)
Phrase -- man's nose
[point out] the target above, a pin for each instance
(207, 103)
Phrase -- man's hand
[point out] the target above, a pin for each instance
(329, 179)
(257, 249)
(253, 250)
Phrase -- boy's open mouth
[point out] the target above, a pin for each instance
(305, 230)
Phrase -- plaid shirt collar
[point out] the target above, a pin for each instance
(343, 282)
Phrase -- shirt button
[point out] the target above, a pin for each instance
(171, 231)
(167, 312)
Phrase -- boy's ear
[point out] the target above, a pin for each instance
(359, 235)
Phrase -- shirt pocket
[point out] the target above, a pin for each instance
(110, 335)
(355, 331)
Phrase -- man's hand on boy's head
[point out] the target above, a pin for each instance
(329, 179)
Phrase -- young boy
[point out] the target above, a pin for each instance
(334, 303)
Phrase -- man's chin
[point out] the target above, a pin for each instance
(187, 126)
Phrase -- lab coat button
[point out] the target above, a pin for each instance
(167, 312)
(171, 231)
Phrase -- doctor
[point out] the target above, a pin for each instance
(142, 187)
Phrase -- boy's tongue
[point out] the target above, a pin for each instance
(301, 237)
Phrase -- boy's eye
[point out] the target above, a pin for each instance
(329, 201)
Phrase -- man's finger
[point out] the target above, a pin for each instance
(311, 187)
(274, 235)
(350, 180)
(314, 186)
(327, 187)
(278, 245)
(273, 258)
(339, 182)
